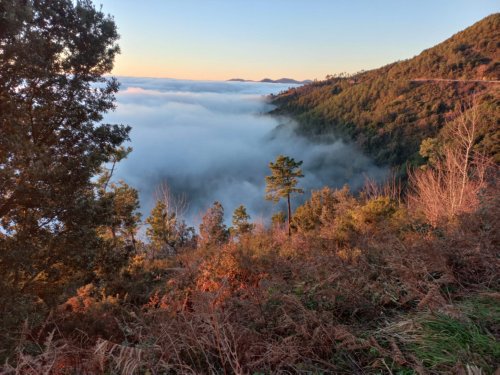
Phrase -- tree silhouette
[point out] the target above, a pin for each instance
(282, 182)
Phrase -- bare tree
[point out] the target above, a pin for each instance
(390, 187)
(452, 186)
(174, 203)
(465, 133)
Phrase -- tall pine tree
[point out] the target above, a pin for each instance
(282, 182)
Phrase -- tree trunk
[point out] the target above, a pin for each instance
(134, 244)
(289, 216)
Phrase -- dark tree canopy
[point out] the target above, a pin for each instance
(53, 55)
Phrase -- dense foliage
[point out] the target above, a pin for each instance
(366, 284)
(390, 111)
(53, 55)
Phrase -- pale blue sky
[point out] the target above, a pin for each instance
(301, 39)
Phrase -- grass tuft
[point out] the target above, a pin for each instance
(444, 341)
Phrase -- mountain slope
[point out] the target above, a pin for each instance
(390, 110)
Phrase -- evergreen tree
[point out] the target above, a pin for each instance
(53, 93)
(213, 231)
(166, 231)
(240, 222)
(118, 233)
(123, 218)
(285, 172)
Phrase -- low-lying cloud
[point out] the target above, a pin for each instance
(213, 141)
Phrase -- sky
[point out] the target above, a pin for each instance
(300, 39)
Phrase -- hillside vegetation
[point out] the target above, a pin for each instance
(389, 111)
(395, 279)
(366, 284)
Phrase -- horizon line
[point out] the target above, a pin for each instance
(207, 80)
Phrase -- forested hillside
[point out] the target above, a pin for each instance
(389, 111)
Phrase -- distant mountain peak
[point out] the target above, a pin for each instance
(269, 80)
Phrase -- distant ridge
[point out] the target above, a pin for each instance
(269, 80)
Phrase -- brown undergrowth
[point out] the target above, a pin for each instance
(365, 284)
(313, 303)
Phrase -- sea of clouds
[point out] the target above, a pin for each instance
(213, 141)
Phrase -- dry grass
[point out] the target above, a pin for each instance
(345, 296)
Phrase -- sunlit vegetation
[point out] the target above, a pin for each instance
(399, 278)
(282, 182)
(365, 283)
(389, 111)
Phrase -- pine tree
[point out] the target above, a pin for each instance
(124, 218)
(213, 231)
(53, 93)
(240, 222)
(285, 172)
(167, 232)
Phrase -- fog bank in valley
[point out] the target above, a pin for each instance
(214, 141)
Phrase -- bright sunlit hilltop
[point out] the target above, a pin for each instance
(300, 39)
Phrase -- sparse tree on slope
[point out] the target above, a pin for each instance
(285, 172)
(213, 231)
(240, 222)
(167, 230)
